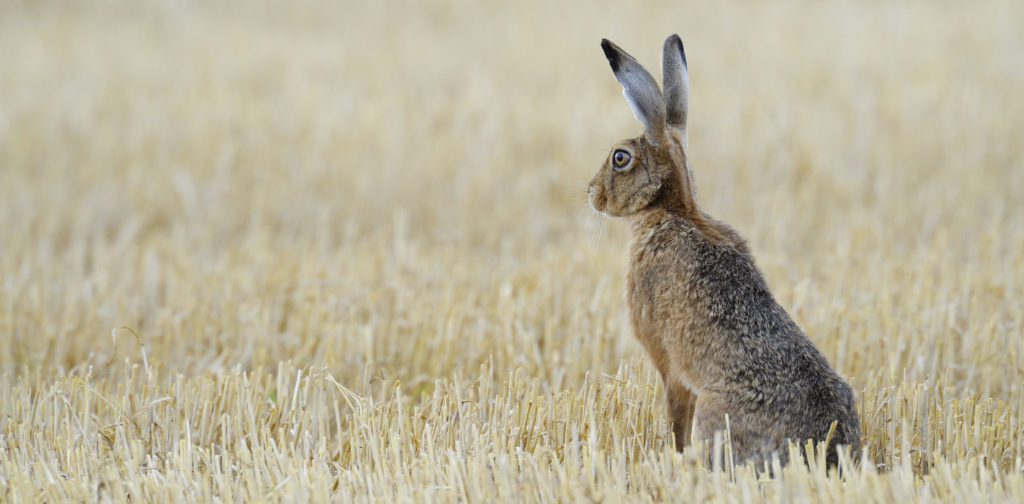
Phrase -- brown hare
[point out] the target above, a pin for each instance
(699, 305)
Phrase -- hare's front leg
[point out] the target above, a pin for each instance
(681, 403)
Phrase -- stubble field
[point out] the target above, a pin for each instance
(322, 251)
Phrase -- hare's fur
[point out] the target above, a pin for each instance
(699, 305)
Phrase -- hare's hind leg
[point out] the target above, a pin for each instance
(749, 438)
(681, 404)
(708, 418)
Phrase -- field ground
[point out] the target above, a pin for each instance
(341, 251)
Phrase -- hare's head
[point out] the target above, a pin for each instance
(652, 167)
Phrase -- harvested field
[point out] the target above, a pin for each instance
(325, 251)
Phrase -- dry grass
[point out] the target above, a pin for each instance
(311, 251)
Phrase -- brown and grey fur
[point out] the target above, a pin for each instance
(699, 305)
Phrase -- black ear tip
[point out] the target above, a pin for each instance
(611, 54)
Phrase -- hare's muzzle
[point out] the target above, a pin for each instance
(592, 197)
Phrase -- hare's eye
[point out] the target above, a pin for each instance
(620, 158)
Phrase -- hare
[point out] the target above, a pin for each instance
(697, 302)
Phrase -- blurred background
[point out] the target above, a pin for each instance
(400, 186)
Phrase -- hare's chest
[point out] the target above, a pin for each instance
(660, 297)
(664, 318)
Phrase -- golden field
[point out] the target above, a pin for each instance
(341, 251)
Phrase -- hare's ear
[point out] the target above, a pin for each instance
(676, 81)
(640, 89)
